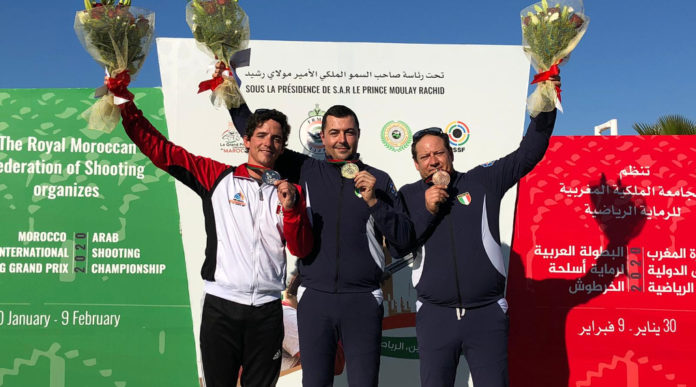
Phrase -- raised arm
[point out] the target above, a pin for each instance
(507, 171)
(197, 172)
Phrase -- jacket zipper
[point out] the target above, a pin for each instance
(454, 260)
(338, 233)
(255, 255)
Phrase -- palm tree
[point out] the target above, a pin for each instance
(669, 124)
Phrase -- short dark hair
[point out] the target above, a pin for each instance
(260, 116)
(437, 132)
(339, 111)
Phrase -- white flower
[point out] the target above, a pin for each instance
(228, 22)
(83, 17)
(554, 16)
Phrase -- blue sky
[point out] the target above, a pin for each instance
(635, 63)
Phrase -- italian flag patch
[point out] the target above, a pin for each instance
(464, 198)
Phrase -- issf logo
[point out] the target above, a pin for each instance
(458, 133)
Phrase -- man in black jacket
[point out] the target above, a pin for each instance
(459, 271)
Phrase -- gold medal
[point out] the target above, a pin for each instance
(349, 170)
(441, 178)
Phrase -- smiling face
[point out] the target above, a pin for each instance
(432, 155)
(340, 137)
(265, 144)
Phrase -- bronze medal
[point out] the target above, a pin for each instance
(441, 178)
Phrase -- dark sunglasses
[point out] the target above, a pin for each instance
(419, 134)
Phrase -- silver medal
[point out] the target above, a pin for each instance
(270, 176)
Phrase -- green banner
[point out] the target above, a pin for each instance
(400, 347)
(93, 288)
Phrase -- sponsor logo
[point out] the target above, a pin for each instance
(277, 355)
(238, 199)
(396, 136)
(231, 141)
(464, 198)
(458, 134)
(310, 130)
(488, 164)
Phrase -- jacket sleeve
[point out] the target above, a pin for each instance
(198, 173)
(507, 171)
(240, 117)
(394, 224)
(412, 203)
(297, 229)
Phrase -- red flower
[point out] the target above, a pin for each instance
(527, 20)
(209, 7)
(221, 2)
(97, 12)
(553, 10)
(122, 11)
(577, 20)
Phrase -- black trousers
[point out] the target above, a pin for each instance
(353, 318)
(235, 335)
(480, 334)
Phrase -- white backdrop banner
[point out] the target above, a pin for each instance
(475, 93)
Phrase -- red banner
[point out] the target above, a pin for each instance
(603, 265)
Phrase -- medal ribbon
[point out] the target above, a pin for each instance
(546, 75)
(118, 85)
(257, 168)
(340, 162)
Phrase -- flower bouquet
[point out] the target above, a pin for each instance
(549, 34)
(221, 28)
(118, 37)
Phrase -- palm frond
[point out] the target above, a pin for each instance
(671, 124)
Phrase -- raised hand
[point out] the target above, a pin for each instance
(365, 183)
(434, 196)
(287, 194)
